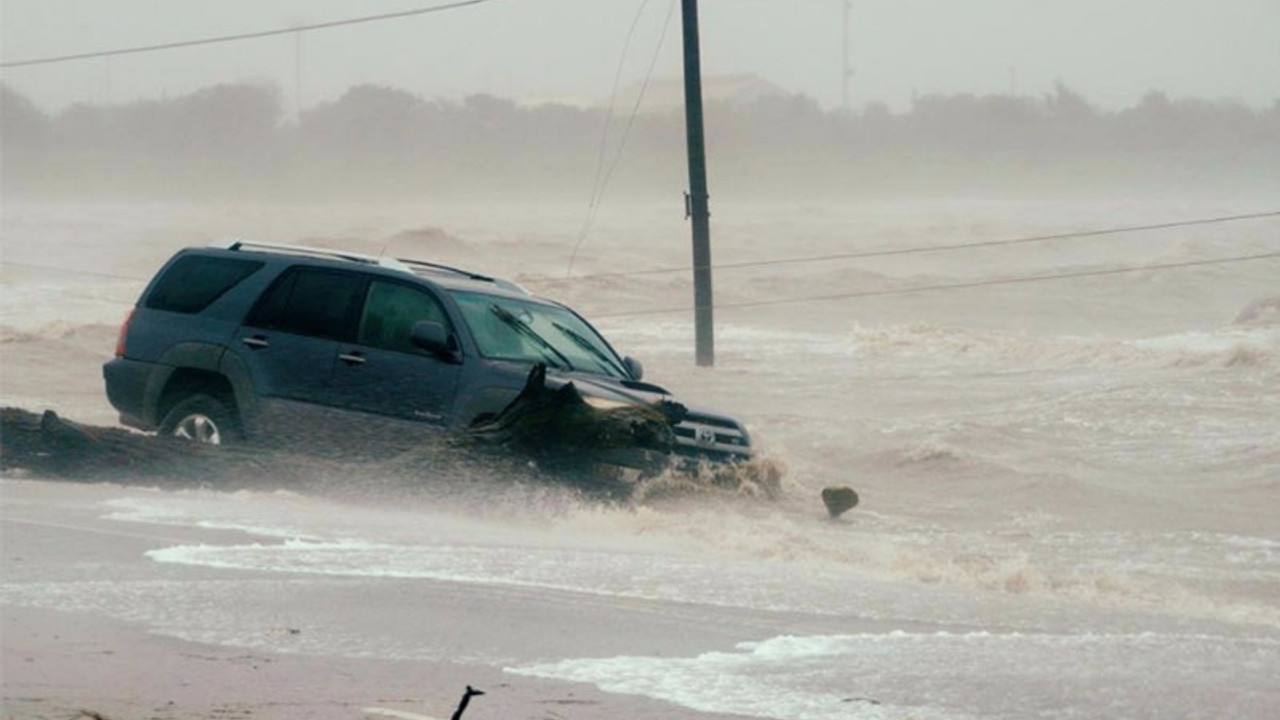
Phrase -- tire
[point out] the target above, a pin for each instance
(203, 419)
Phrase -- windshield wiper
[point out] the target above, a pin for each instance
(523, 328)
(590, 347)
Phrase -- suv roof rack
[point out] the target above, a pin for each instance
(437, 267)
(241, 244)
(402, 264)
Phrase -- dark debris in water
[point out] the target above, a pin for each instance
(546, 437)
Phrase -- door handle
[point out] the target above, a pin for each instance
(352, 358)
(255, 341)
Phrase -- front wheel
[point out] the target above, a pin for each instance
(203, 419)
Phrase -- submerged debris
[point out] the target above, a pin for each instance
(545, 435)
(466, 699)
(559, 427)
(47, 445)
(839, 500)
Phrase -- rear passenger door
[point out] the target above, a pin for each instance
(290, 339)
(381, 371)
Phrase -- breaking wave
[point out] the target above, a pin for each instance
(1261, 312)
(934, 452)
(82, 334)
(719, 553)
(1232, 347)
(761, 477)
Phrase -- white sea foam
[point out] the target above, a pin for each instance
(947, 675)
(760, 561)
(877, 577)
(202, 508)
(242, 613)
(632, 575)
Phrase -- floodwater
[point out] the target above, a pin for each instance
(1070, 488)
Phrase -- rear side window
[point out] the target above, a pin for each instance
(193, 282)
(311, 301)
(390, 312)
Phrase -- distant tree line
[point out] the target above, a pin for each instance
(237, 141)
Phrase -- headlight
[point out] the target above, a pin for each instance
(600, 403)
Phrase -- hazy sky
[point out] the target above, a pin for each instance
(1113, 51)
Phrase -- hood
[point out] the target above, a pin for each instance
(630, 391)
(609, 388)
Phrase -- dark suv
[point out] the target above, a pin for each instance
(245, 340)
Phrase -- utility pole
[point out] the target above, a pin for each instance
(696, 199)
(297, 76)
(111, 84)
(845, 71)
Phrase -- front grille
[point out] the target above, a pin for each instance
(712, 437)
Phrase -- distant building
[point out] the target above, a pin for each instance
(580, 102)
(665, 95)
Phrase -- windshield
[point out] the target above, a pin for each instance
(514, 329)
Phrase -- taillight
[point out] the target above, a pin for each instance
(124, 331)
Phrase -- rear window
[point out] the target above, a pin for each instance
(193, 282)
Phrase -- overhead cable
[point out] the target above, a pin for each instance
(875, 293)
(73, 271)
(951, 286)
(244, 36)
(918, 249)
(601, 182)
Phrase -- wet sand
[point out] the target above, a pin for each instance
(57, 664)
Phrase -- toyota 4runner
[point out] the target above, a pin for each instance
(243, 340)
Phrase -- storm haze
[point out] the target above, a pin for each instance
(534, 51)
(1020, 294)
(235, 141)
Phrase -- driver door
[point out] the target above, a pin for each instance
(382, 371)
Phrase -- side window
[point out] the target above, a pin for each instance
(193, 282)
(390, 311)
(311, 301)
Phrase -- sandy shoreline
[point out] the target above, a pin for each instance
(60, 665)
(57, 663)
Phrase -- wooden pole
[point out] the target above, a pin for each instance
(844, 70)
(697, 198)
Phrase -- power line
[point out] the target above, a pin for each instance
(73, 271)
(601, 182)
(65, 292)
(874, 293)
(921, 249)
(954, 286)
(244, 36)
(6, 311)
(849, 296)
(604, 137)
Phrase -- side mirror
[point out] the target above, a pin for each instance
(432, 337)
(634, 367)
